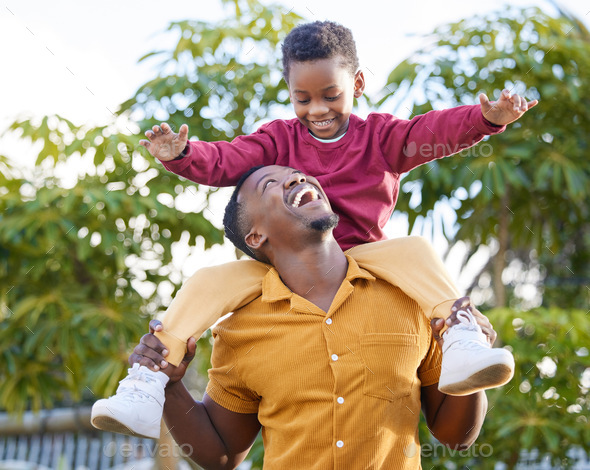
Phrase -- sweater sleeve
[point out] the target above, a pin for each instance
(222, 163)
(436, 134)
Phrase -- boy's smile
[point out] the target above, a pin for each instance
(322, 92)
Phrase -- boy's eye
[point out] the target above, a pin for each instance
(266, 184)
(332, 98)
(303, 101)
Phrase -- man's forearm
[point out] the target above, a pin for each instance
(459, 419)
(191, 427)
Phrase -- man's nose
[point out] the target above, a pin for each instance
(295, 179)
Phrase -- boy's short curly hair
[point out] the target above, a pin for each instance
(319, 40)
(235, 219)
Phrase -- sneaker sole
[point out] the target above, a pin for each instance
(106, 423)
(491, 377)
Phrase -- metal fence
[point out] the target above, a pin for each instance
(79, 451)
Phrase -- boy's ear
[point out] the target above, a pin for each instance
(255, 240)
(359, 84)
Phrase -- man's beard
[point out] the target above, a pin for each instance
(325, 223)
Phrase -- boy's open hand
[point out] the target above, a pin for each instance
(163, 143)
(507, 109)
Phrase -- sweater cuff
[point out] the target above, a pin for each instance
(185, 151)
(181, 162)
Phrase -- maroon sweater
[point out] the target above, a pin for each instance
(360, 173)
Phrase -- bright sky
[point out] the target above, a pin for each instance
(79, 59)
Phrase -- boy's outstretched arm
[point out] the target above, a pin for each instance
(507, 109)
(163, 143)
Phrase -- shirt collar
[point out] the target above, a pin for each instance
(273, 288)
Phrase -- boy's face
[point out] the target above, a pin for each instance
(322, 92)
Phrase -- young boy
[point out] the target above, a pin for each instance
(359, 164)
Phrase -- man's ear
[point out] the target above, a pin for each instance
(359, 84)
(255, 240)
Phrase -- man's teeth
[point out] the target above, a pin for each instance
(300, 194)
(323, 123)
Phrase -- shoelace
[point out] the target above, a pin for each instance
(467, 322)
(131, 392)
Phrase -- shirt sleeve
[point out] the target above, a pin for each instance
(407, 144)
(429, 370)
(225, 386)
(222, 163)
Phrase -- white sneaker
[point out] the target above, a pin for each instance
(137, 407)
(469, 363)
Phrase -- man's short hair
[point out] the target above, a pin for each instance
(319, 40)
(236, 222)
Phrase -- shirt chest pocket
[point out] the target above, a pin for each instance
(391, 361)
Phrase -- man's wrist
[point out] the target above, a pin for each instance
(174, 389)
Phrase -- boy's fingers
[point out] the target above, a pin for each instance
(156, 130)
(483, 99)
(532, 104)
(516, 101)
(166, 129)
(145, 143)
(183, 132)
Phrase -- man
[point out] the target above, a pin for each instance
(332, 363)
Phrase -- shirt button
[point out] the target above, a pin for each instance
(340, 400)
(339, 444)
(329, 321)
(334, 357)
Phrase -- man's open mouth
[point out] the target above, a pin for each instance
(304, 196)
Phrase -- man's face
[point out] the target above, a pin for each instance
(284, 203)
(322, 92)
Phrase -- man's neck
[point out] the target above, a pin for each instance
(314, 272)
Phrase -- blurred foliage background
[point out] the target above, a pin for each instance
(85, 264)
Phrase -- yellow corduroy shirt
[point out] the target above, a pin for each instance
(332, 390)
